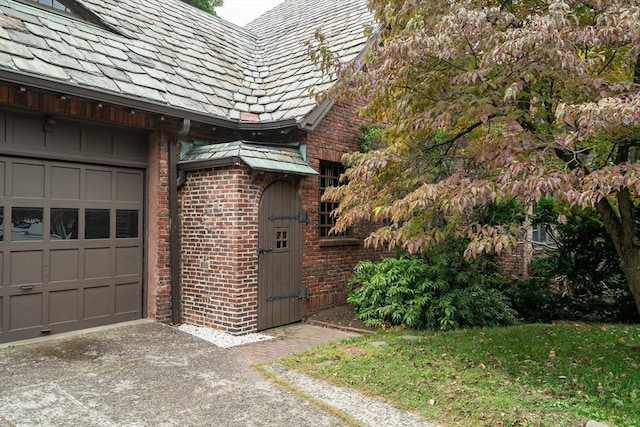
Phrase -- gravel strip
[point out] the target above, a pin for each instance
(223, 339)
(367, 410)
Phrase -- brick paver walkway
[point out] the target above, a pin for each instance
(288, 340)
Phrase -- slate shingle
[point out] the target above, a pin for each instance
(164, 51)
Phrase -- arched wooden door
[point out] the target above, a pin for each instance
(280, 257)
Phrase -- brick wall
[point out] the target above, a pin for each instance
(158, 254)
(328, 262)
(219, 213)
(219, 233)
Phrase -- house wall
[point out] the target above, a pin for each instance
(329, 262)
(219, 213)
(515, 264)
(219, 234)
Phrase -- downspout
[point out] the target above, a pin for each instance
(174, 244)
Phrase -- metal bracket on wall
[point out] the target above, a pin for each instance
(300, 293)
(300, 216)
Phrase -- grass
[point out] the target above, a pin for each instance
(528, 375)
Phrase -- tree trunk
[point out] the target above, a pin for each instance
(630, 266)
(621, 228)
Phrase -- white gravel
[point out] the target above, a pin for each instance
(222, 339)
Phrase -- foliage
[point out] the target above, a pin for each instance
(440, 292)
(577, 278)
(527, 375)
(487, 101)
(371, 138)
(206, 5)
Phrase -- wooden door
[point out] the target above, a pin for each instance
(280, 289)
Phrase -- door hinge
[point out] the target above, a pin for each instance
(300, 293)
(300, 216)
(261, 250)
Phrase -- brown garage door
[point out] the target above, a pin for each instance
(71, 246)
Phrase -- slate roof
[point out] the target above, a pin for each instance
(258, 156)
(168, 57)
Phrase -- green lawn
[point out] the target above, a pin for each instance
(528, 375)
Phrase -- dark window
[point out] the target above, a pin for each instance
(126, 223)
(68, 8)
(54, 4)
(542, 233)
(97, 224)
(329, 177)
(27, 224)
(281, 240)
(64, 223)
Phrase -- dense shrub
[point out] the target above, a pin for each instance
(579, 278)
(440, 291)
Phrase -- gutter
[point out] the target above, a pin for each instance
(137, 104)
(174, 244)
(183, 168)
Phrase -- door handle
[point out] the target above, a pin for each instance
(26, 287)
(263, 250)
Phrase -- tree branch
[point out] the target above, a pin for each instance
(609, 61)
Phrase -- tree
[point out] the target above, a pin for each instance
(206, 5)
(490, 101)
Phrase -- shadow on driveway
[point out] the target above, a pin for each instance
(145, 374)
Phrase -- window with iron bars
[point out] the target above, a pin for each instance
(329, 177)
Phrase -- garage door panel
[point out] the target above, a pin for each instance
(98, 185)
(63, 306)
(27, 180)
(64, 265)
(129, 187)
(28, 132)
(2, 281)
(129, 146)
(3, 168)
(97, 263)
(97, 141)
(128, 298)
(25, 311)
(128, 261)
(26, 268)
(98, 302)
(67, 138)
(65, 183)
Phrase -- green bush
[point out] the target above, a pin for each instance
(441, 291)
(578, 279)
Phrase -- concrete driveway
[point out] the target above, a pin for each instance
(145, 374)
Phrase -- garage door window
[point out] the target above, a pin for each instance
(126, 223)
(64, 224)
(26, 224)
(97, 224)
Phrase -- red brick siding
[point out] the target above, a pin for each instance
(328, 262)
(158, 230)
(219, 235)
